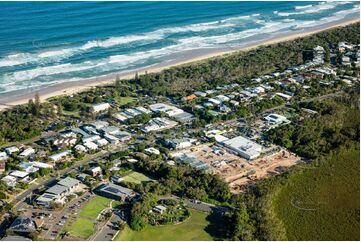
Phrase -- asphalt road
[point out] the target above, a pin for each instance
(108, 231)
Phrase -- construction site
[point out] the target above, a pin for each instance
(238, 172)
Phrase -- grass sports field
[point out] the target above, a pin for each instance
(83, 227)
(136, 177)
(322, 202)
(195, 228)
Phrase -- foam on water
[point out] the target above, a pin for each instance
(102, 56)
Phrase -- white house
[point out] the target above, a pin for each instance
(100, 107)
(27, 152)
(10, 181)
(151, 151)
(3, 156)
(59, 156)
(12, 149)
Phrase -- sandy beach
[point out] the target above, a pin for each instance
(67, 88)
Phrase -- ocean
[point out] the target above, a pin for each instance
(45, 43)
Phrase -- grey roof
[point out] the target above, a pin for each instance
(23, 224)
(46, 197)
(184, 117)
(57, 189)
(117, 190)
(15, 238)
(68, 182)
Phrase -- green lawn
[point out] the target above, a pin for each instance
(124, 100)
(94, 207)
(195, 228)
(83, 227)
(322, 202)
(136, 177)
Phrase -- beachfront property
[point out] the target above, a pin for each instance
(96, 108)
(243, 147)
(115, 192)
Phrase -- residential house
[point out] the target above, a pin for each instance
(100, 107)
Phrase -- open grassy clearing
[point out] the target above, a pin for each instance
(124, 100)
(136, 177)
(84, 225)
(322, 202)
(198, 227)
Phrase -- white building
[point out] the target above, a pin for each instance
(222, 98)
(10, 181)
(276, 118)
(100, 107)
(91, 138)
(27, 152)
(244, 147)
(200, 94)
(168, 109)
(3, 156)
(283, 96)
(59, 156)
(180, 143)
(12, 149)
(41, 165)
(151, 151)
(214, 101)
(101, 142)
(20, 175)
(90, 145)
(157, 124)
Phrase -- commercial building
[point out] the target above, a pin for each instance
(244, 147)
(58, 192)
(115, 192)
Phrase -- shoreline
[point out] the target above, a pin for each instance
(7, 100)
